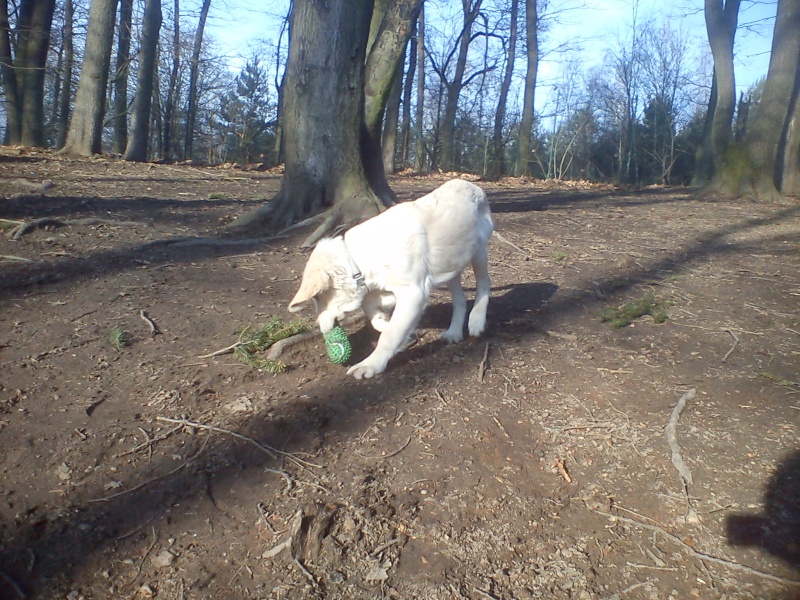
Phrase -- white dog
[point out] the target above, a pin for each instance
(388, 265)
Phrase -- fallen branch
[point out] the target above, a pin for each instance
(269, 450)
(569, 337)
(154, 331)
(14, 586)
(735, 343)
(672, 439)
(17, 233)
(16, 258)
(700, 555)
(484, 363)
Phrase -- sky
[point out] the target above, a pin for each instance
(588, 27)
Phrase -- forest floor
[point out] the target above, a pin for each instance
(535, 462)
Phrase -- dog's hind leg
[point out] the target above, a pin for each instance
(455, 333)
(410, 302)
(483, 285)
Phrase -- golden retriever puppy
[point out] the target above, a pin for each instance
(388, 265)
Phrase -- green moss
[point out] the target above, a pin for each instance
(628, 313)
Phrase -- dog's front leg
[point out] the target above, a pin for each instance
(410, 302)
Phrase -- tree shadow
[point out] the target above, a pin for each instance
(525, 200)
(61, 546)
(776, 529)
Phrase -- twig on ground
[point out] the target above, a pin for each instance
(700, 555)
(227, 350)
(383, 547)
(146, 554)
(500, 425)
(395, 453)
(672, 439)
(269, 450)
(150, 442)
(677, 459)
(563, 470)
(15, 258)
(14, 585)
(510, 243)
(154, 479)
(484, 594)
(17, 233)
(569, 337)
(735, 343)
(154, 331)
(484, 363)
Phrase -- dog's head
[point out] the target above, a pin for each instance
(330, 281)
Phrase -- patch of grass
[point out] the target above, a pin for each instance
(218, 196)
(116, 337)
(628, 313)
(253, 341)
(559, 256)
(778, 380)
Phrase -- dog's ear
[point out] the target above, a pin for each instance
(315, 281)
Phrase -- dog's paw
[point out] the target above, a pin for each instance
(477, 325)
(451, 337)
(364, 370)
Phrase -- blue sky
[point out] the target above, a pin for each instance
(589, 27)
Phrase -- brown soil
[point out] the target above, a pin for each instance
(550, 478)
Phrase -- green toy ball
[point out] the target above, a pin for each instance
(337, 345)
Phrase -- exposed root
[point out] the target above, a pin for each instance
(17, 233)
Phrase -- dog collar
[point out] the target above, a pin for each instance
(358, 276)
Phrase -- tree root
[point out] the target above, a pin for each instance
(17, 232)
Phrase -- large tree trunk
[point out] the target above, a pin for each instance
(752, 171)
(33, 29)
(532, 54)
(790, 166)
(390, 29)
(65, 97)
(323, 117)
(704, 155)
(140, 115)
(85, 131)
(408, 88)
(121, 78)
(9, 75)
(194, 74)
(497, 162)
(721, 23)
(390, 123)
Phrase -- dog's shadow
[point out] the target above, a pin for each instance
(777, 528)
(512, 310)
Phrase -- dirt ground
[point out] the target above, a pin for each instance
(535, 462)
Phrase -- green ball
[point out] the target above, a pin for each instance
(337, 345)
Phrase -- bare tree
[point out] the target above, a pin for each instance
(146, 73)
(121, 76)
(722, 17)
(532, 55)
(497, 163)
(172, 88)
(67, 66)
(194, 74)
(84, 137)
(419, 153)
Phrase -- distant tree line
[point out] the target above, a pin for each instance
(447, 86)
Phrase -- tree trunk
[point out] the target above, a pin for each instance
(454, 87)
(721, 23)
(65, 98)
(408, 88)
(526, 123)
(419, 152)
(85, 131)
(169, 105)
(704, 157)
(790, 167)
(753, 172)
(323, 120)
(497, 162)
(194, 74)
(121, 77)
(389, 138)
(33, 29)
(9, 75)
(140, 115)
(390, 29)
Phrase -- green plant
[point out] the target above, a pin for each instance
(629, 312)
(252, 341)
(116, 337)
